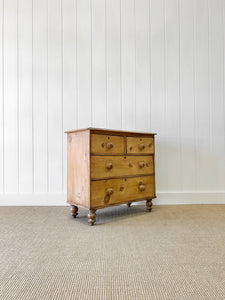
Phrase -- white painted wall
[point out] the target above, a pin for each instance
(145, 65)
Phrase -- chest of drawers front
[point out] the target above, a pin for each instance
(107, 168)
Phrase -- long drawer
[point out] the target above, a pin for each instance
(121, 166)
(113, 191)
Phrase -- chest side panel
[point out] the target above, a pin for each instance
(78, 168)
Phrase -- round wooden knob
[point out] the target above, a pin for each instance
(109, 145)
(141, 146)
(142, 187)
(109, 191)
(109, 166)
(141, 164)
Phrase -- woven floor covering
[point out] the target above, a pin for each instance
(174, 252)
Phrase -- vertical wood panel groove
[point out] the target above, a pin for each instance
(10, 97)
(209, 82)
(106, 66)
(55, 96)
(121, 98)
(91, 35)
(179, 92)
(24, 96)
(150, 73)
(18, 99)
(194, 94)
(209, 87)
(216, 89)
(99, 63)
(180, 106)
(121, 67)
(210, 20)
(223, 16)
(32, 95)
(165, 92)
(128, 64)
(84, 62)
(113, 67)
(62, 90)
(47, 140)
(135, 70)
(76, 64)
(164, 66)
(40, 95)
(3, 106)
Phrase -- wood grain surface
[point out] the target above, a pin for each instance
(109, 192)
(107, 144)
(78, 169)
(140, 145)
(118, 166)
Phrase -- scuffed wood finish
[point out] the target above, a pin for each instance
(107, 192)
(74, 211)
(109, 167)
(91, 216)
(149, 204)
(78, 169)
(140, 145)
(107, 144)
(121, 166)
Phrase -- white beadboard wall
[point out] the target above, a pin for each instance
(144, 65)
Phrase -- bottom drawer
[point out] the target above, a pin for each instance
(113, 191)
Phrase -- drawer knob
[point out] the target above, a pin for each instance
(109, 145)
(141, 164)
(109, 191)
(109, 166)
(141, 146)
(142, 187)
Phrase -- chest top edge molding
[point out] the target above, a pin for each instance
(104, 131)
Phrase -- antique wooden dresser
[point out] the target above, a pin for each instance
(109, 167)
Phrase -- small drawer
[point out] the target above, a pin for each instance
(121, 166)
(107, 144)
(114, 191)
(137, 145)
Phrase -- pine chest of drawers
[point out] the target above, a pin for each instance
(109, 167)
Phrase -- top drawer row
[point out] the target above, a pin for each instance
(119, 145)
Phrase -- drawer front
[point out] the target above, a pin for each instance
(107, 144)
(121, 166)
(142, 145)
(114, 191)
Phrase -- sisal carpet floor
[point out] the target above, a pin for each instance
(174, 252)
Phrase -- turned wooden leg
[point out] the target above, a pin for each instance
(74, 210)
(149, 204)
(128, 204)
(91, 216)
